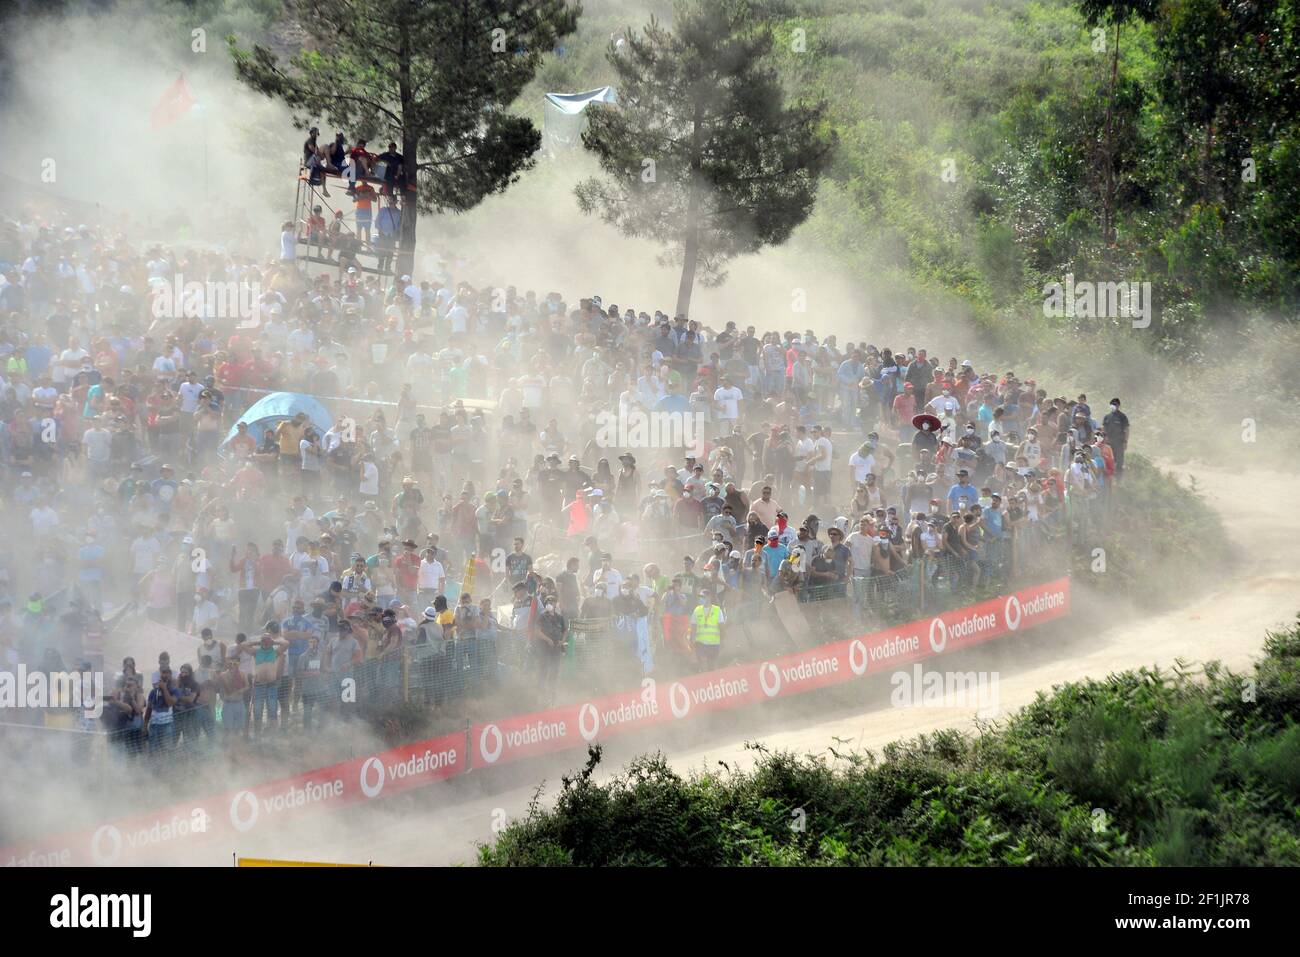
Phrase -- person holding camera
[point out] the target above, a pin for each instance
(160, 713)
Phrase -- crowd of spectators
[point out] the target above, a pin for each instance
(498, 466)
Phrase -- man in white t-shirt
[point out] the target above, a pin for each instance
(1031, 448)
(726, 401)
(532, 387)
(803, 453)
(310, 454)
(69, 363)
(823, 453)
(431, 576)
(945, 403)
(860, 543)
(861, 463)
(369, 487)
(206, 613)
(607, 577)
(189, 391)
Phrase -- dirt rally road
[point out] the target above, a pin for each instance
(442, 824)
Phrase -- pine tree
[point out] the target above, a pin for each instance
(700, 152)
(437, 79)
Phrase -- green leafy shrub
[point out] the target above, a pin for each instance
(1189, 767)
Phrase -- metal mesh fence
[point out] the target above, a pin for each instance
(495, 666)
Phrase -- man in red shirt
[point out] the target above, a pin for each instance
(272, 568)
(406, 569)
(362, 160)
(248, 479)
(904, 409)
(258, 371)
(935, 386)
(316, 230)
(230, 374)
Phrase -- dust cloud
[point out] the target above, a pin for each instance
(77, 126)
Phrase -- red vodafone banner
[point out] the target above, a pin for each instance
(137, 839)
(525, 735)
(573, 725)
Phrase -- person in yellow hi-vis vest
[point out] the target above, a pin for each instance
(706, 630)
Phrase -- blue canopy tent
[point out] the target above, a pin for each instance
(270, 410)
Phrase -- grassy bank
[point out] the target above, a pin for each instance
(1193, 767)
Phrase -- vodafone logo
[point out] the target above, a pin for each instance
(858, 657)
(1013, 612)
(769, 678)
(937, 627)
(106, 845)
(588, 721)
(490, 743)
(241, 819)
(368, 789)
(679, 700)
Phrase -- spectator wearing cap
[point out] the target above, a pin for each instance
(840, 556)
(607, 578)
(775, 552)
(160, 713)
(406, 572)
(961, 490)
(1116, 427)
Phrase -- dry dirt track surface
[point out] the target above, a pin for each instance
(442, 825)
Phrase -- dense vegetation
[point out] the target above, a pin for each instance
(1184, 142)
(1194, 767)
(1115, 140)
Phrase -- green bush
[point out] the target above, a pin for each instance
(1189, 767)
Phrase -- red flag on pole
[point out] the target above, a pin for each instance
(172, 105)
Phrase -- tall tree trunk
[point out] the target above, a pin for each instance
(405, 259)
(1206, 153)
(406, 248)
(691, 253)
(1108, 202)
(691, 239)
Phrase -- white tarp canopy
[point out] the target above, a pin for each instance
(563, 120)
